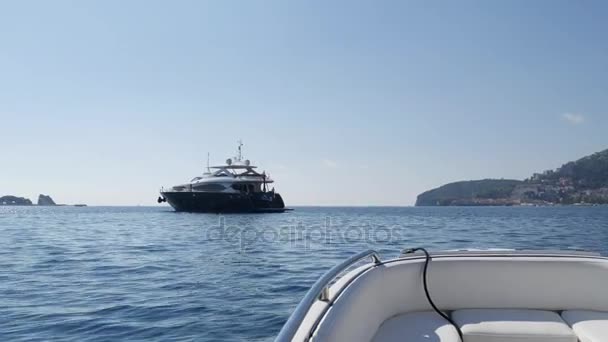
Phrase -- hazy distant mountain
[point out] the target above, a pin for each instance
(581, 181)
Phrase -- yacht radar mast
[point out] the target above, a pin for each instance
(208, 169)
(240, 155)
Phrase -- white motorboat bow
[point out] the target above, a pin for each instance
(470, 296)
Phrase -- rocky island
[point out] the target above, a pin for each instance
(584, 181)
(43, 200)
(14, 200)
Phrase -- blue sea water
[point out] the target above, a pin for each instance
(148, 273)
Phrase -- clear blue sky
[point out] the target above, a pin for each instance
(343, 102)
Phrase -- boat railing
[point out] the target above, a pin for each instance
(320, 291)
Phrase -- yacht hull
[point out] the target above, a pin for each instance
(215, 202)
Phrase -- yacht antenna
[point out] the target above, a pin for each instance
(208, 169)
(240, 142)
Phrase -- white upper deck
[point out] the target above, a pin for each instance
(235, 170)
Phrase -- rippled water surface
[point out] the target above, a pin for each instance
(126, 273)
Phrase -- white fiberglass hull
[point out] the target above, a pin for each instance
(507, 293)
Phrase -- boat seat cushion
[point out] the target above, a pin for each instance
(589, 326)
(424, 326)
(512, 325)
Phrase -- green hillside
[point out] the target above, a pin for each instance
(461, 192)
(584, 181)
(589, 172)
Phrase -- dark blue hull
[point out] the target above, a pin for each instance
(217, 202)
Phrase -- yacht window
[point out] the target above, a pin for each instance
(209, 187)
(240, 187)
(244, 187)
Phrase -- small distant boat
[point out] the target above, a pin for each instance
(455, 296)
(235, 187)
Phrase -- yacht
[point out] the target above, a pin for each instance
(233, 187)
(454, 296)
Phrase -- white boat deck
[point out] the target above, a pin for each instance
(492, 296)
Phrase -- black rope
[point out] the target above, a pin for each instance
(426, 289)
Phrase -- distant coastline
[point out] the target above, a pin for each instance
(581, 182)
(43, 200)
